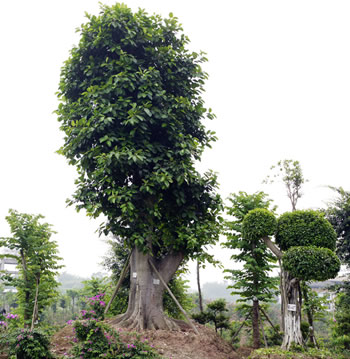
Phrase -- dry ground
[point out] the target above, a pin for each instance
(171, 344)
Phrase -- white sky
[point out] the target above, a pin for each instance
(279, 85)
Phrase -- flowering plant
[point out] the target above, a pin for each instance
(27, 344)
(97, 305)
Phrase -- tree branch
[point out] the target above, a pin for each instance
(273, 248)
(169, 264)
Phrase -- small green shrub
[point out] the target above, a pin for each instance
(27, 344)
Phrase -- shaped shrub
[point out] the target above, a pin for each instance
(304, 228)
(259, 223)
(311, 263)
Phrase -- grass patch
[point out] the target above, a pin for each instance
(310, 353)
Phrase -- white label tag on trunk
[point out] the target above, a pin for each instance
(134, 275)
(156, 281)
(292, 307)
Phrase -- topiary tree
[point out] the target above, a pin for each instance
(306, 244)
(253, 282)
(131, 110)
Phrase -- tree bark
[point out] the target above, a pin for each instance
(199, 289)
(35, 309)
(255, 324)
(292, 311)
(26, 289)
(145, 307)
(310, 318)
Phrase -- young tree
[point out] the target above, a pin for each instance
(306, 243)
(131, 111)
(253, 282)
(37, 259)
(292, 177)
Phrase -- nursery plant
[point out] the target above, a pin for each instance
(131, 111)
(305, 243)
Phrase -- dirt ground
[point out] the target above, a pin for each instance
(171, 344)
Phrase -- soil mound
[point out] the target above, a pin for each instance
(170, 344)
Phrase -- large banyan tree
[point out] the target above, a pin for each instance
(131, 110)
(305, 244)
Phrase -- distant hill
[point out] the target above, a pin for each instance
(70, 281)
(215, 290)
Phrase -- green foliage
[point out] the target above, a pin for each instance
(254, 280)
(179, 288)
(304, 228)
(313, 304)
(338, 215)
(131, 110)
(215, 314)
(273, 337)
(94, 339)
(259, 223)
(200, 317)
(300, 353)
(27, 344)
(341, 330)
(37, 259)
(311, 263)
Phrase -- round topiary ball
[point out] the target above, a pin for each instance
(304, 228)
(311, 263)
(259, 223)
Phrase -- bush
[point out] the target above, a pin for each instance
(94, 339)
(27, 344)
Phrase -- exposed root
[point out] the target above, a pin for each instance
(133, 321)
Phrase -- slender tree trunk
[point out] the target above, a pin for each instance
(309, 317)
(283, 298)
(145, 307)
(255, 324)
(35, 308)
(199, 289)
(292, 316)
(26, 289)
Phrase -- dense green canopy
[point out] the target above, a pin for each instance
(131, 110)
(305, 228)
(311, 263)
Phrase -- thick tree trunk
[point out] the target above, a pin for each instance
(255, 324)
(145, 307)
(292, 311)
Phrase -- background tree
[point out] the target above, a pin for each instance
(253, 283)
(292, 177)
(338, 213)
(306, 243)
(73, 294)
(37, 259)
(131, 111)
